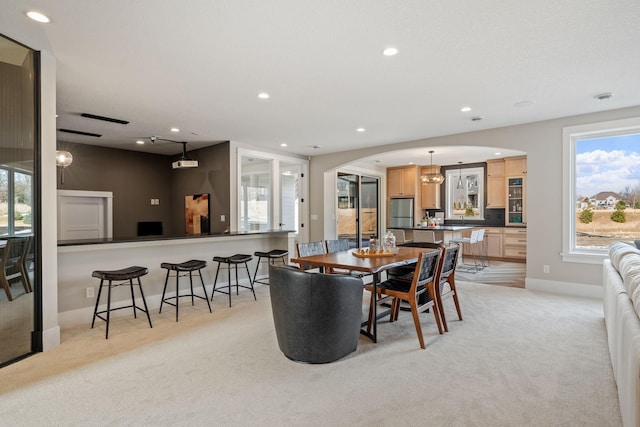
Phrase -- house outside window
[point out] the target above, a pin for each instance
(601, 188)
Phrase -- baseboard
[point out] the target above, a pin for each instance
(51, 338)
(563, 288)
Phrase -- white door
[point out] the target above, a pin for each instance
(84, 215)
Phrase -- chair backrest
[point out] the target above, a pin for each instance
(400, 238)
(309, 249)
(426, 269)
(481, 235)
(427, 236)
(450, 261)
(316, 316)
(474, 236)
(337, 245)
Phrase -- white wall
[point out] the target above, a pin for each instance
(542, 141)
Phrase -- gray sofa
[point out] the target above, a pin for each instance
(317, 316)
(621, 287)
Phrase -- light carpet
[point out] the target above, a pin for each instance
(517, 359)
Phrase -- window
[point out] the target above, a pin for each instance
(465, 193)
(15, 202)
(255, 197)
(601, 188)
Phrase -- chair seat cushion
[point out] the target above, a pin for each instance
(123, 274)
(234, 259)
(190, 265)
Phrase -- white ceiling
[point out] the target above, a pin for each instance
(199, 65)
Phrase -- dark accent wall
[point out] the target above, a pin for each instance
(135, 178)
(213, 176)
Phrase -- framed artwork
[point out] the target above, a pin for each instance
(197, 213)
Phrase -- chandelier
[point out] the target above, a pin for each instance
(432, 178)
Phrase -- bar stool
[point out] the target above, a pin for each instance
(271, 258)
(233, 260)
(122, 276)
(187, 267)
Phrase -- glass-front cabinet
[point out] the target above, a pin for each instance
(516, 201)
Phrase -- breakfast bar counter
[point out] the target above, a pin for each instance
(78, 259)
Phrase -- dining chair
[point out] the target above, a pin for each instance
(337, 245)
(447, 282)
(13, 264)
(424, 281)
(482, 249)
(309, 249)
(426, 236)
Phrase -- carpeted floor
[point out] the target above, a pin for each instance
(517, 359)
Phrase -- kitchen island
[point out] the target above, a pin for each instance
(446, 233)
(78, 259)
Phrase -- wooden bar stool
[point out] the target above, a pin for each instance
(230, 261)
(271, 257)
(122, 277)
(186, 268)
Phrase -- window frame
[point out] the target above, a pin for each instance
(11, 200)
(451, 181)
(570, 135)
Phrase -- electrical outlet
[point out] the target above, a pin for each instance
(222, 218)
(546, 269)
(89, 292)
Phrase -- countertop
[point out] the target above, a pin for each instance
(161, 238)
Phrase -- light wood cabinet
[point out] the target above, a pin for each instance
(515, 243)
(516, 191)
(515, 166)
(495, 183)
(493, 239)
(402, 181)
(430, 193)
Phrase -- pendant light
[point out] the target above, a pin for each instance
(460, 186)
(432, 178)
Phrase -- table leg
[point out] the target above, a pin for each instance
(374, 294)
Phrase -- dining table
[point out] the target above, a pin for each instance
(352, 260)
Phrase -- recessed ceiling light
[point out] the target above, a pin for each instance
(410, 163)
(603, 96)
(140, 142)
(283, 145)
(497, 154)
(263, 95)
(360, 130)
(39, 17)
(465, 109)
(390, 51)
(175, 130)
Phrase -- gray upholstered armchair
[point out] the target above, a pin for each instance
(317, 316)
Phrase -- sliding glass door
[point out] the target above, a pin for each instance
(358, 208)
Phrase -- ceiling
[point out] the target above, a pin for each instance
(199, 65)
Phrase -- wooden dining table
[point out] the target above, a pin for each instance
(346, 260)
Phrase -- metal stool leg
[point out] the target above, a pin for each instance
(108, 309)
(144, 302)
(95, 311)
(250, 281)
(204, 288)
(166, 280)
(133, 299)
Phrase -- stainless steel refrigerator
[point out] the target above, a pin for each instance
(401, 213)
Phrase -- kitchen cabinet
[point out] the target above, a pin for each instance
(493, 240)
(430, 193)
(402, 181)
(515, 243)
(516, 190)
(515, 166)
(495, 183)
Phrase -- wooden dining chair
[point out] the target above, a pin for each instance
(309, 249)
(4, 251)
(424, 280)
(447, 282)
